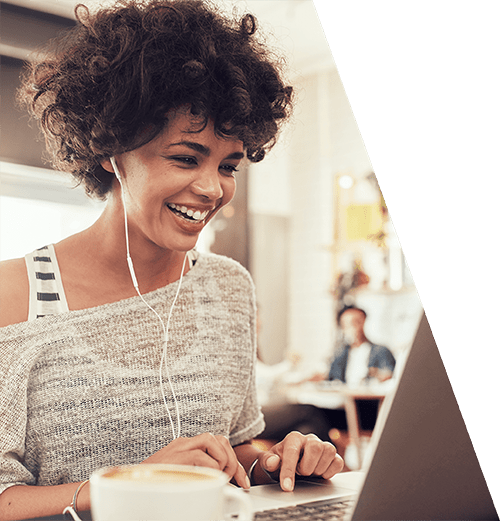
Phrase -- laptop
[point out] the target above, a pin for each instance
(422, 463)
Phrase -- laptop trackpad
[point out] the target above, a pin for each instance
(264, 497)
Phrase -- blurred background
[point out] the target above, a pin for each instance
(309, 222)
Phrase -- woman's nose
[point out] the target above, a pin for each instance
(207, 184)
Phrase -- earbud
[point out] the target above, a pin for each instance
(115, 168)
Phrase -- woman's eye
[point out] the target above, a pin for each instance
(229, 169)
(185, 160)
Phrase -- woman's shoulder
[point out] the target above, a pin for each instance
(226, 267)
(14, 292)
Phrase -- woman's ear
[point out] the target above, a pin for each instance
(106, 164)
(110, 166)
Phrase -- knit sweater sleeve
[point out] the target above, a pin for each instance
(250, 420)
(15, 363)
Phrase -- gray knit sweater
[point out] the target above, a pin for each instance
(80, 390)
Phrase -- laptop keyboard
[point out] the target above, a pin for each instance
(317, 511)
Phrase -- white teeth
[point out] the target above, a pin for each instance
(196, 215)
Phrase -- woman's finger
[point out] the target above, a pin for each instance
(196, 457)
(291, 448)
(304, 456)
(204, 450)
(335, 467)
(312, 456)
(233, 467)
(328, 457)
(215, 447)
(180, 448)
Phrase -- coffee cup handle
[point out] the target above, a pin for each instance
(243, 501)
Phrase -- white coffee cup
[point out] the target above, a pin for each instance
(153, 492)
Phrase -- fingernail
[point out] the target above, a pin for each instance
(272, 461)
(287, 485)
(247, 482)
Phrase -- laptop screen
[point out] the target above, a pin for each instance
(423, 464)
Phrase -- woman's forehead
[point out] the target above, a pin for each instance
(182, 126)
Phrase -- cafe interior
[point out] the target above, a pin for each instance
(309, 222)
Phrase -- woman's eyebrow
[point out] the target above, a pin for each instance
(202, 149)
(193, 145)
(236, 155)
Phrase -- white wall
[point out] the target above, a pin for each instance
(297, 182)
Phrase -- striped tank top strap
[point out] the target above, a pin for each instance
(46, 290)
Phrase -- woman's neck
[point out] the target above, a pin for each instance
(94, 267)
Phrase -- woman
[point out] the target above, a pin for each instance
(121, 344)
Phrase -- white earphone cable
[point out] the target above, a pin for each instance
(165, 328)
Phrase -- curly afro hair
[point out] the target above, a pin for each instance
(106, 86)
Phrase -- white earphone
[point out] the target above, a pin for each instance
(165, 328)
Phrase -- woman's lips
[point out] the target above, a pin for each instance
(189, 214)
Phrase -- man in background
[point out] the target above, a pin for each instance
(358, 362)
(359, 359)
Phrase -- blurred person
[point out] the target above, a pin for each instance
(151, 105)
(359, 360)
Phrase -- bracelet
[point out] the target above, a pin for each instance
(251, 469)
(77, 491)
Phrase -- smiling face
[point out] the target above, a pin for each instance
(175, 184)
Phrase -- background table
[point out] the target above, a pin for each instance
(336, 395)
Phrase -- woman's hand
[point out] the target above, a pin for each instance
(303, 456)
(204, 450)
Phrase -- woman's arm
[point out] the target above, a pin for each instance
(204, 450)
(25, 501)
(14, 291)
